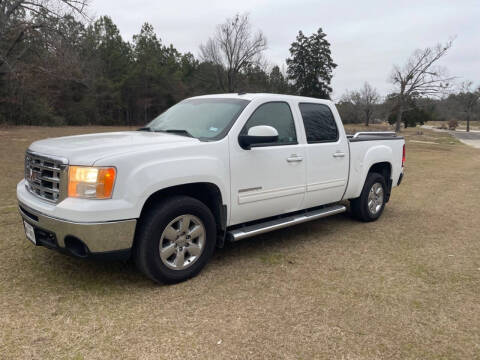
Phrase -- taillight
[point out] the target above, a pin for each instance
(403, 156)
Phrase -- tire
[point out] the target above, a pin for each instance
(360, 206)
(163, 236)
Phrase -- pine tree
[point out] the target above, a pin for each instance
(110, 61)
(277, 82)
(311, 65)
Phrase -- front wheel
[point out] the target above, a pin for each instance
(371, 202)
(175, 239)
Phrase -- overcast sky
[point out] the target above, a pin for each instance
(367, 37)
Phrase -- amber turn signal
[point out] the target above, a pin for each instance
(91, 182)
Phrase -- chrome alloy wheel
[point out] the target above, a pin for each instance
(375, 198)
(182, 242)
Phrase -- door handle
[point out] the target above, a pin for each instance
(294, 158)
(338, 154)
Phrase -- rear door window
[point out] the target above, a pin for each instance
(319, 123)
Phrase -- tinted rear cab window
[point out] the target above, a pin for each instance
(319, 123)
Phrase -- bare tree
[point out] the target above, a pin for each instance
(351, 106)
(21, 19)
(420, 77)
(368, 99)
(233, 48)
(468, 99)
(363, 101)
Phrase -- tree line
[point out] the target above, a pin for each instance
(365, 105)
(57, 67)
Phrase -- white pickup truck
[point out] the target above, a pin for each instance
(209, 169)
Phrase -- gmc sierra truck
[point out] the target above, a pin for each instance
(210, 169)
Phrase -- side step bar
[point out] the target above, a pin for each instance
(257, 229)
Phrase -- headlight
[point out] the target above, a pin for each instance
(91, 182)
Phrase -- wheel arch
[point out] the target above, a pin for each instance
(383, 168)
(206, 192)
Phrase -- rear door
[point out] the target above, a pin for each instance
(267, 180)
(327, 155)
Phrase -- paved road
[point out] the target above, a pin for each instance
(471, 138)
(466, 135)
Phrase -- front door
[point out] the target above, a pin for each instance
(267, 180)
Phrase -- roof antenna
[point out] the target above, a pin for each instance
(241, 93)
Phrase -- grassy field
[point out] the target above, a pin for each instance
(404, 287)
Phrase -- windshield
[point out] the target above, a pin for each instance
(206, 118)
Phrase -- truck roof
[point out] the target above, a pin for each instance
(252, 96)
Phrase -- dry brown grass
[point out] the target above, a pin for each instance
(404, 287)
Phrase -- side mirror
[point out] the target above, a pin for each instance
(261, 134)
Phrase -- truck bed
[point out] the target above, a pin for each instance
(379, 144)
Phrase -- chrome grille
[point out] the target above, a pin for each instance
(46, 176)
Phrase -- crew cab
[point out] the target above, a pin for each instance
(209, 169)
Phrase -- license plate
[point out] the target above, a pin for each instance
(30, 232)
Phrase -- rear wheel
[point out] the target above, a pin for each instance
(371, 202)
(175, 239)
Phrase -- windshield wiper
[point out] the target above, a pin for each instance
(177, 132)
(145, 129)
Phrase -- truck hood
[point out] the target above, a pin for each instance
(87, 149)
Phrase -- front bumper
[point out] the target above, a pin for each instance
(88, 239)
